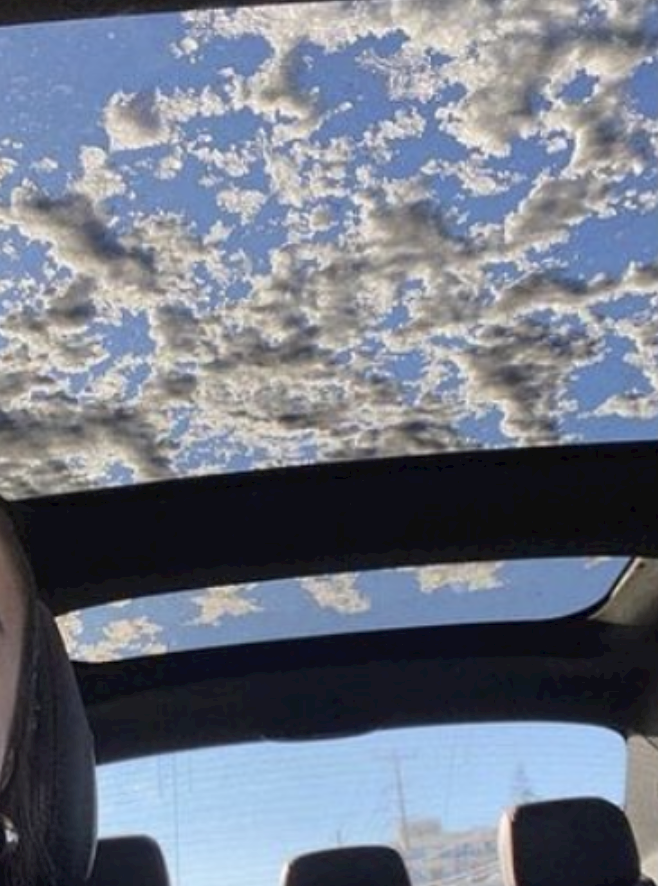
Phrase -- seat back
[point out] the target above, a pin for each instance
(348, 866)
(129, 861)
(64, 765)
(577, 842)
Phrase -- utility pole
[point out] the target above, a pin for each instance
(174, 776)
(401, 800)
(396, 760)
(522, 791)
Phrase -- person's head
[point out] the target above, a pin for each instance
(24, 858)
(47, 767)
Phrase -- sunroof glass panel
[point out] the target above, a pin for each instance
(233, 239)
(438, 595)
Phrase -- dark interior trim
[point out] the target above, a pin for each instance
(305, 689)
(90, 548)
(23, 12)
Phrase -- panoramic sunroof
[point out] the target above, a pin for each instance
(449, 594)
(280, 235)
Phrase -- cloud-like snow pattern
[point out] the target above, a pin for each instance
(134, 121)
(384, 231)
(461, 576)
(217, 604)
(338, 593)
(119, 638)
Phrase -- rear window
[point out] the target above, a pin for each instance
(236, 815)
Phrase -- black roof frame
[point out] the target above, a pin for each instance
(35, 11)
(93, 547)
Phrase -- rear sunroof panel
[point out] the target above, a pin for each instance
(439, 595)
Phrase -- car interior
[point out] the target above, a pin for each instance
(595, 667)
(127, 545)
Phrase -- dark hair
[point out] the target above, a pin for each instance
(21, 796)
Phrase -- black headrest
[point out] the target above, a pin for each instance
(130, 861)
(580, 842)
(65, 764)
(348, 866)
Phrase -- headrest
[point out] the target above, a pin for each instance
(580, 842)
(64, 759)
(348, 866)
(131, 861)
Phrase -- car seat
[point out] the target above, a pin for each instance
(584, 841)
(347, 866)
(63, 764)
(129, 861)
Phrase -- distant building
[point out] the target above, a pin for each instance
(436, 857)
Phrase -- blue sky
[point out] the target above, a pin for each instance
(271, 236)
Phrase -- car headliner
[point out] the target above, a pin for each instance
(105, 545)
